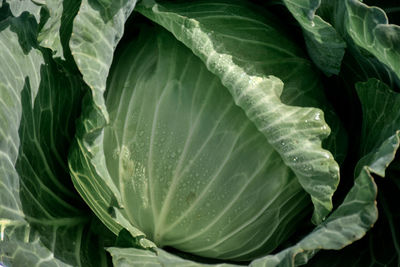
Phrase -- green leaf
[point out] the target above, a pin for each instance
(146, 178)
(368, 27)
(56, 31)
(12, 82)
(348, 223)
(16, 253)
(381, 124)
(358, 212)
(95, 35)
(90, 175)
(248, 77)
(380, 246)
(42, 219)
(325, 46)
(55, 18)
(17, 7)
(381, 118)
(352, 219)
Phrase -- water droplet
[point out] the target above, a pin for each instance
(295, 159)
(307, 167)
(317, 116)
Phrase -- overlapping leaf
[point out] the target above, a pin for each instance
(17, 7)
(56, 31)
(324, 44)
(97, 29)
(41, 219)
(369, 29)
(380, 111)
(246, 75)
(358, 212)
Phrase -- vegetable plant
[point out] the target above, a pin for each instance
(199, 133)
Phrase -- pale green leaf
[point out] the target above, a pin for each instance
(35, 254)
(41, 216)
(95, 35)
(56, 31)
(204, 140)
(296, 136)
(19, 6)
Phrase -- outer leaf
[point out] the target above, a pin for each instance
(358, 212)
(359, 63)
(39, 211)
(381, 124)
(16, 253)
(346, 224)
(324, 44)
(368, 27)
(19, 6)
(380, 246)
(55, 18)
(258, 94)
(381, 116)
(90, 176)
(23, 63)
(56, 31)
(94, 37)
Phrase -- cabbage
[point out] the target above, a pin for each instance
(193, 133)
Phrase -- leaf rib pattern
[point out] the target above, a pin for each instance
(93, 54)
(204, 154)
(325, 46)
(369, 28)
(260, 94)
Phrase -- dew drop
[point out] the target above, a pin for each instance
(317, 116)
(307, 167)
